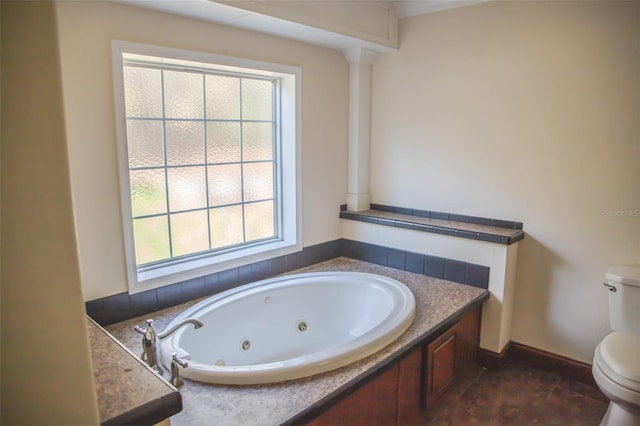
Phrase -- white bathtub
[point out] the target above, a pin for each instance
(290, 327)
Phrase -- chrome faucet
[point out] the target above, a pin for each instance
(150, 340)
(149, 344)
(196, 324)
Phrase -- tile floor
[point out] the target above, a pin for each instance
(518, 395)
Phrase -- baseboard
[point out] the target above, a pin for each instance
(537, 358)
(566, 367)
(492, 360)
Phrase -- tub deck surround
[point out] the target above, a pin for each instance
(438, 304)
(471, 227)
(127, 391)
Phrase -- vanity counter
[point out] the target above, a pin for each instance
(438, 304)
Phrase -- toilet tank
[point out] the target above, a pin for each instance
(624, 301)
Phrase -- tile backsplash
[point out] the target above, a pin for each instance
(122, 306)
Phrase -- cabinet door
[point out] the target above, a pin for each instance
(440, 362)
(374, 404)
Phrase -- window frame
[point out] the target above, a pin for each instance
(287, 157)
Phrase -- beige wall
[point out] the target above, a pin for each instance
(46, 372)
(86, 30)
(526, 111)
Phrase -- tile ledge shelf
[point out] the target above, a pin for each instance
(454, 225)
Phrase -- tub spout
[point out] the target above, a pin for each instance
(150, 338)
(196, 324)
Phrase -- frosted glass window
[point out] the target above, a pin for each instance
(151, 238)
(143, 92)
(183, 94)
(189, 233)
(223, 97)
(209, 161)
(225, 184)
(257, 99)
(227, 226)
(185, 142)
(187, 188)
(258, 181)
(257, 141)
(145, 143)
(148, 192)
(201, 158)
(259, 220)
(223, 142)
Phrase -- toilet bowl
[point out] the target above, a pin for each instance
(616, 370)
(616, 361)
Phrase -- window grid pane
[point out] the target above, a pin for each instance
(211, 156)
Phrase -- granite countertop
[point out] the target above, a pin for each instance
(437, 302)
(128, 392)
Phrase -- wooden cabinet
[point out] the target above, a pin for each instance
(440, 362)
(450, 356)
(374, 403)
(410, 387)
(400, 393)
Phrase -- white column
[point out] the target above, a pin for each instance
(360, 61)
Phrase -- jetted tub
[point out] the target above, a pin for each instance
(289, 327)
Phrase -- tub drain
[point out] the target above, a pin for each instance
(302, 326)
(245, 345)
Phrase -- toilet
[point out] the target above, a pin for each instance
(616, 363)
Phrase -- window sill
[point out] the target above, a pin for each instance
(193, 268)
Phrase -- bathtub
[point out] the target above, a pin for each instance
(290, 327)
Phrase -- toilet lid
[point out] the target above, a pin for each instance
(621, 354)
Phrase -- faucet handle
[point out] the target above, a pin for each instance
(175, 371)
(141, 330)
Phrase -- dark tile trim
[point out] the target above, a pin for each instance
(450, 230)
(95, 310)
(449, 216)
(122, 306)
(433, 266)
(455, 270)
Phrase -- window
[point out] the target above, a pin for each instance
(208, 153)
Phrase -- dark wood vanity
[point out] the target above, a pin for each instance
(401, 392)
